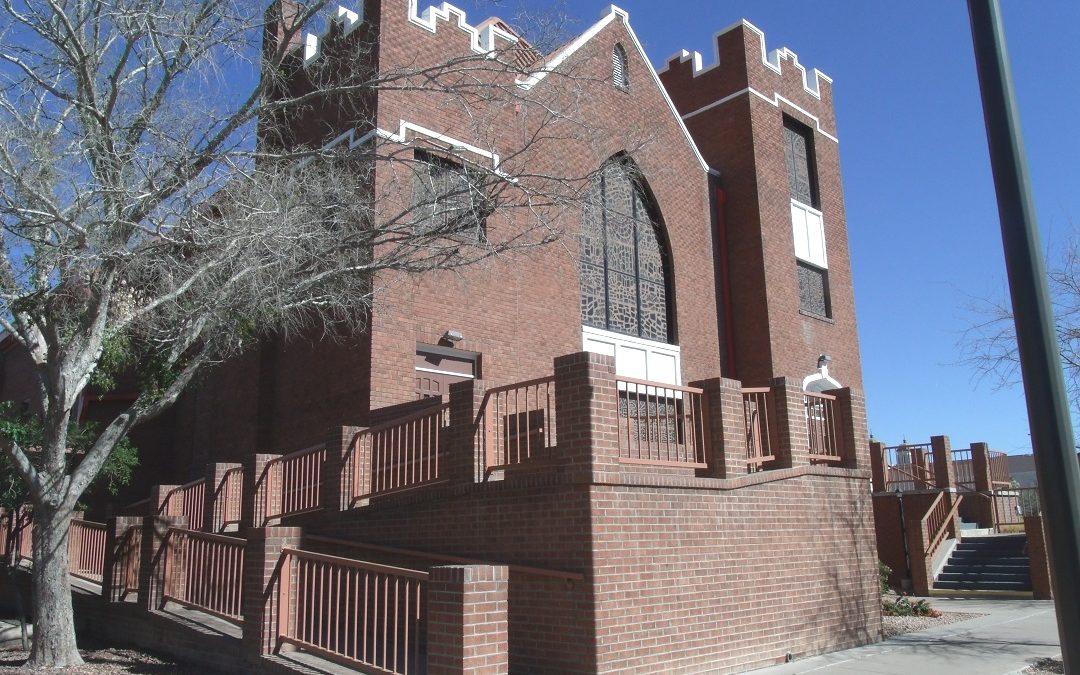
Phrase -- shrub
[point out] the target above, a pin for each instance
(903, 606)
(883, 572)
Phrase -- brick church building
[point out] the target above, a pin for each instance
(661, 408)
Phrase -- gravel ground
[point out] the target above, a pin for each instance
(898, 625)
(1046, 667)
(104, 661)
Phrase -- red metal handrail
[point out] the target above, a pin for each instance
(353, 612)
(964, 469)
(822, 427)
(187, 500)
(937, 521)
(204, 571)
(86, 550)
(759, 414)
(129, 558)
(1000, 476)
(517, 423)
(290, 484)
(400, 454)
(910, 467)
(660, 424)
(229, 498)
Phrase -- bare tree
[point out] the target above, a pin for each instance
(989, 345)
(158, 202)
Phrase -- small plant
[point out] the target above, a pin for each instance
(903, 606)
(883, 572)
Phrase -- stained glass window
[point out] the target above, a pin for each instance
(623, 262)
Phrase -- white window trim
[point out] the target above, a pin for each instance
(650, 346)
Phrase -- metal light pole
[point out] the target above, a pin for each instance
(1040, 361)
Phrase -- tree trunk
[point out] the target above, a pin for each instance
(54, 622)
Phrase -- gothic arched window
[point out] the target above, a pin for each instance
(624, 269)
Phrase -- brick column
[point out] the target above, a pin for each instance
(793, 439)
(980, 469)
(877, 466)
(1038, 558)
(255, 490)
(467, 624)
(259, 596)
(944, 471)
(464, 459)
(587, 408)
(215, 496)
(118, 537)
(850, 409)
(152, 568)
(337, 485)
(726, 434)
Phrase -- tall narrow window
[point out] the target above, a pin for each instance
(620, 74)
(624, 264)
(807, 222)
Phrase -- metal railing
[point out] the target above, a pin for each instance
(129, 558)
(1010, 505)
(999, 469)
(822, 427)
(517, 423)
(398, 455)
(964, 469)
(229, 498)
(759, 416)
(204, 571)
(353, 612)
(86, 550)
(660, 424)
(938, 520)
(290, 484)
(188, 500)
(909, 467)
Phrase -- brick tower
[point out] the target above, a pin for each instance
(768, 126)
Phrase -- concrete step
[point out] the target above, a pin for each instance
(983, 585)
(984, 576)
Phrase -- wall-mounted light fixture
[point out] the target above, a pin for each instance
(453, 336)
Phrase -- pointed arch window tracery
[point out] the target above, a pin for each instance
(624, 264)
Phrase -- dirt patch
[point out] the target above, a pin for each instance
(898, 625)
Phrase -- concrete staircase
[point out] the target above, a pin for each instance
(987, 563)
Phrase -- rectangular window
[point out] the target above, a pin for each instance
(814, 290)
(449, 198)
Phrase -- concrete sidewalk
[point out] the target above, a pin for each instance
(1012, 635)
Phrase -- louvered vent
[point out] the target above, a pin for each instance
(619, 75)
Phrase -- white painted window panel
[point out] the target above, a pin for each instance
(634, 357)
(808, 231)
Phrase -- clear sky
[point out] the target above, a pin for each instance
(921, 212)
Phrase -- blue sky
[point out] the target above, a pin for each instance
(922, 218)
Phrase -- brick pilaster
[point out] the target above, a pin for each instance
(1038, 558)
(337, 482)
(467, 620)
(465, 460)
(877, 466)
(980, 469)
(259, 491)
(216, 497)
(587, 407)
(118, 553)
(944, 471)
(152, 569)
(793, 446)
(726, 435)
(259, 596)
(851, 427)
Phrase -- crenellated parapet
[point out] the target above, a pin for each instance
(484, 39)
(742, 64)
(349, 20)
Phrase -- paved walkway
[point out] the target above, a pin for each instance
(1012, 635)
